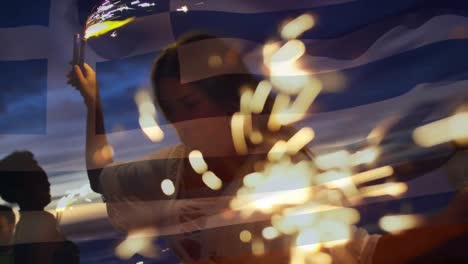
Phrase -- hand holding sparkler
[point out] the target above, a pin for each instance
(84, 80)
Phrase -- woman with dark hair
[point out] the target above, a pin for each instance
(37, 239)
(198, 98)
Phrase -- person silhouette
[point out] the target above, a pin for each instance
(37, 238)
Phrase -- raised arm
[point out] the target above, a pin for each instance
(98, 153)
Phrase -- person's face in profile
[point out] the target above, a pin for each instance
(35, 190)
(198, 119)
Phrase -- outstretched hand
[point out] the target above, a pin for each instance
(84, 80)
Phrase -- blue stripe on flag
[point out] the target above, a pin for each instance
(23, 101)
(394, 76)
(24, 13)
(119, 80)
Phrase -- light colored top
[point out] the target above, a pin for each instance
(195, 228)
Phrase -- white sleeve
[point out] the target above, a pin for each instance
(133, 194)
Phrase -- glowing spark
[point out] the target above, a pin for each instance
(245, 236)
(365, 156)
(253, 179)
(197, 162)
(258, 248)
(105, 7)
(245, 100)
(148, 116)
(281, 183)
(104, 27)
(297, 26)
(260, 96)
(338, 180)
(270, 233)
(147, 108)
(300, 140)
(277, 151)
(114, 34)
(168, 187)
(372, 175)
(454, 128)
(143, 97)
(268, 50)
(183, 9)
(146, 4)
(289, 52)
(138, 242)
(396, 223)
(393, 189)
(212, 181)
(151, 128)
(135, 2)
(301, 105)
(339, 159)
(281, 103)
(237, 131)
(256, 137)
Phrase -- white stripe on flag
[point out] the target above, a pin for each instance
(397, 40)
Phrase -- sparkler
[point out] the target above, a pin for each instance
(79, 47)
(113, 14)
(105, 27)
(318, 186)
